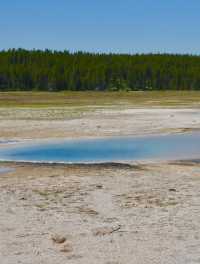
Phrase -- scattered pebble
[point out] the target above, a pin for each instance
(172, 190)
(99, 186)
(67, 248)
(58, 239)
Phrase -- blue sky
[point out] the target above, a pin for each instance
(127, 26)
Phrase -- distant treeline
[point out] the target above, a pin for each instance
(56, 71)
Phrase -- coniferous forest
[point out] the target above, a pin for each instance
(48, 70)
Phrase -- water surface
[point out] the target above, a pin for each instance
(106, 150)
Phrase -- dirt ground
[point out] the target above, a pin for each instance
(62, 122)
(99, 214)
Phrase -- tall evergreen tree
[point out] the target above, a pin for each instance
(56, 71)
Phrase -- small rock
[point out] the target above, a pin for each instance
(172, 190)
(58, 239)
(99, 186)
(67, 248)
(22, 198)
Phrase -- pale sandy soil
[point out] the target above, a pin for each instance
(58, 123)
(106, 214)
(147, 214)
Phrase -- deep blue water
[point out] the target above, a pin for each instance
(106, 150)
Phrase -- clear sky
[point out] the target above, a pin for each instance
(125, 26)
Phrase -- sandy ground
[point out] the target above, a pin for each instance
(113, 214)
(58, 123)
(110, 214)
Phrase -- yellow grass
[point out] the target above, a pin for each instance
(60, 99)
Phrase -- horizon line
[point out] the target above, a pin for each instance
(100, 52)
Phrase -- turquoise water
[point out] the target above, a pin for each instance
(106, 149)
